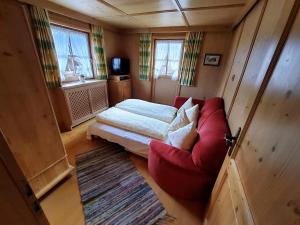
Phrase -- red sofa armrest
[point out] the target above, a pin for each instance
(175, 172)
(179, 158)
(180, 100)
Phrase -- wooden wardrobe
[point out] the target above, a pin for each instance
(26, 116)
(259, 181)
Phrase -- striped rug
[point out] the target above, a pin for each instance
(113, 192)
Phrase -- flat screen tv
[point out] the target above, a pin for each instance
(120, 66)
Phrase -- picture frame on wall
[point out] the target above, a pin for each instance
(212, 59)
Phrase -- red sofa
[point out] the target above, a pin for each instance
(191, 175)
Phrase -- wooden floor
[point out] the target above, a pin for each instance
(62, 206)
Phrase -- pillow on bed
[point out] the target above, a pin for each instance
(180, 120)
(184, 137)
(188, 104)
(193, 113)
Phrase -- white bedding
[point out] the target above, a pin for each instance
(161, 112)
(133, 122)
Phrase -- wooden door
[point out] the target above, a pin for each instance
(165, 90)
(258, 183)
(243, 51)
(18, 203)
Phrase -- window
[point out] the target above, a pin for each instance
(167, 58)
(73, 53)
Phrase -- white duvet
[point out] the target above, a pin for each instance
(133, 122)
(161, 112)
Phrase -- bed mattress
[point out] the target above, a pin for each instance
(133, 122)
(160, 112)
(133, 142)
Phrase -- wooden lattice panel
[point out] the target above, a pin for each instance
(80, 104)
(98, 97)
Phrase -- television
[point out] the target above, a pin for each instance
(120, 66)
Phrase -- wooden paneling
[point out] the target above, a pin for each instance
(244, 48)
(26, 118)
(142, 6)
(230, 206)
(233, 48)
(161, 19)
(268, 158)
(219, 16)
(154, 13)
(271, 28)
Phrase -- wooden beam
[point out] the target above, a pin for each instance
(213, 7)
(244, 12)
(53, 7)
(179, 29)
(179, 8)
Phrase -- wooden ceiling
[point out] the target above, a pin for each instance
(129, 14)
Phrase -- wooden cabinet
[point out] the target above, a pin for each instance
(77, 102)
(119, 90)
(26, 116)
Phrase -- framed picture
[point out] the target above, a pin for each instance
(212, 59)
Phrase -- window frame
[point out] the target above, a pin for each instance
(165, 38)
(81, 29)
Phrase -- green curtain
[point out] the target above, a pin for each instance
(45, 45)
(99, 53)
(144, 56)
(190, 57)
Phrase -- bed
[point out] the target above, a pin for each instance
(133, 123)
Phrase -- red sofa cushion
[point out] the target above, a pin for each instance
(210, 149)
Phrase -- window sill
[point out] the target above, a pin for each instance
(80, 84)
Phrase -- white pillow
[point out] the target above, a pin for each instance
(181, 120)
(188, 104)
(184, 137)
(192, 113)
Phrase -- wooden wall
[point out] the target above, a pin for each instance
(208, 78)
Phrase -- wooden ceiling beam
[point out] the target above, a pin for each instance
(179, 29)
(244, 12)
(112, 7)
(213, 7)
(179, 8)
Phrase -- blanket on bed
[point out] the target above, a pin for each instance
(161, 112)
(133, 122)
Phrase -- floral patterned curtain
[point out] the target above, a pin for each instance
(190, 57)
(144, 56)
(45, 44)
(99, 53)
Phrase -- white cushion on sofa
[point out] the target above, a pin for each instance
(193, 113)
(184, 137)
(181, 120)
(188, 104)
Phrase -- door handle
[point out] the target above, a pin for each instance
(231, 140)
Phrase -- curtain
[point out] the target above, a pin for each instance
(45, 44)
(190, 57)
(144, 56)
(99, 53)
(167, 58)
